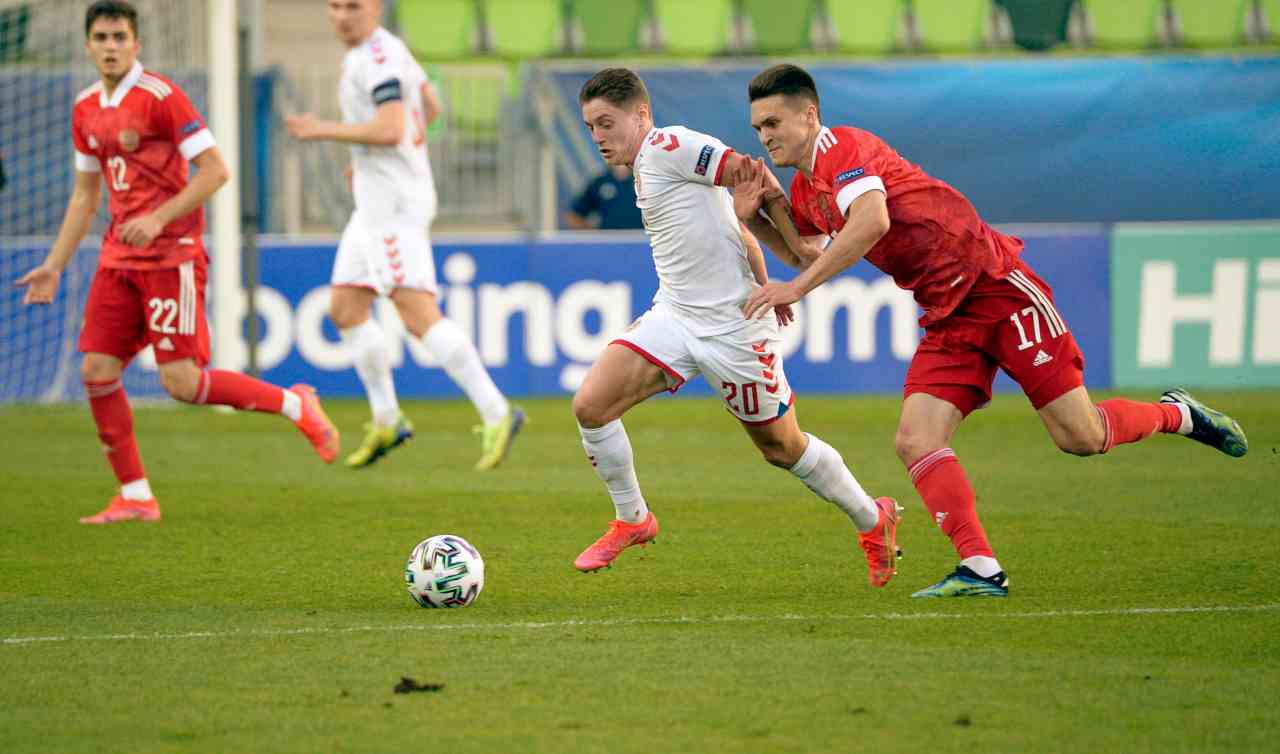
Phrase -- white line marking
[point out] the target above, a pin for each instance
(534, 625)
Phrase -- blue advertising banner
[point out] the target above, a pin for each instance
(540, 311)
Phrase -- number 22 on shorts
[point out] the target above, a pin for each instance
(163, 312)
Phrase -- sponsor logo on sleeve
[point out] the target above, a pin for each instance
(848, 176)
(191, 127)
(704, 159)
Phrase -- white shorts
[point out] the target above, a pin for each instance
(395, 254)
(744, 365)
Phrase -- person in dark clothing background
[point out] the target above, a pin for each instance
(611, 198)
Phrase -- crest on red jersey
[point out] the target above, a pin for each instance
(129, 140)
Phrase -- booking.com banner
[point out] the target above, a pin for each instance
(541, 311)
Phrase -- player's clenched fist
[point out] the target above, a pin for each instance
(42, 285)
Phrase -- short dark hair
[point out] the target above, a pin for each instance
(786, 79)
(111, 9)
(618, 86)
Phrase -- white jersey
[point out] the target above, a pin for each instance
(703, 273)
(391, 180)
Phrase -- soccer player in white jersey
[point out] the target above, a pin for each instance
(387, 103)
(707, 265)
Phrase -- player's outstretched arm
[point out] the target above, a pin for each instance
(866, 222)
(384, 130)
(211, 175)
(42, 282)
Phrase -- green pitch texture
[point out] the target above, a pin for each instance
(267, 612)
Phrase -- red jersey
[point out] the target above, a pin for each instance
(937, 247)
(141, 138)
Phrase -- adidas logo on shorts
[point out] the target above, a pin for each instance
(165, 344)
(1042, 358)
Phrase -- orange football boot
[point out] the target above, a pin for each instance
(617, 538)
(315, 424)
(881, 543)
(120, 509)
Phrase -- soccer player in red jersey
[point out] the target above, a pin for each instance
(139, 130)
(983, 308)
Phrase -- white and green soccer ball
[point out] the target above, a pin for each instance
(444, 571)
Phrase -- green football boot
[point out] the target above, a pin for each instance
(496, 438)
(1213, 428)
(378, 441)
(964, 582)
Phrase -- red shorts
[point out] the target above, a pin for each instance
(129, 309)
(1010, 323)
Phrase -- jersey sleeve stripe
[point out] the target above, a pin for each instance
(724, 157)
(87, 163)
(159, 83)
(196, 143)
(155, 91)
(857, 189)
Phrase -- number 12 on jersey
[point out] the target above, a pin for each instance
(116, 168)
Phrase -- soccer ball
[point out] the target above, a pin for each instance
(444, 571)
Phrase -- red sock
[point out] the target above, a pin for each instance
(942, 484)
(1130, 421)
(114, 418)
(223, 388)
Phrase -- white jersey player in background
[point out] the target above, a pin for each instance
(707, 265)
(387, 103)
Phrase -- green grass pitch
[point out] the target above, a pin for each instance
(267, 612)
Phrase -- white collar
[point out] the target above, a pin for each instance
(122, 88)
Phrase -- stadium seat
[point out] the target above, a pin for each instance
(1211, 23)
(14, 23)
(610, 28)
(780, 27)
(952, 25)
(1038, 24)
(525, 28)
(1270, 30)
(438, 29)
(866, 26)
(695, 27)
(1130, 24)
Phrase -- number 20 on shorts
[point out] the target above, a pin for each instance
(749, 394)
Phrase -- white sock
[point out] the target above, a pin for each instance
(461, 362)
(1185, 428)
(291, 406)
(982, 565)
(822, 470)
(609, 450)
(138, 489)
(372, 359)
